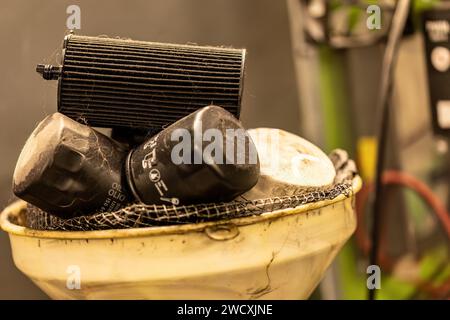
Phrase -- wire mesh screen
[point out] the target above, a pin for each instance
(140, 215)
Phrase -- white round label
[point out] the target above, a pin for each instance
(440, 58)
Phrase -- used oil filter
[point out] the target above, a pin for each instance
(204, 157)
(69, 169)
(290, 165)
(106, 82)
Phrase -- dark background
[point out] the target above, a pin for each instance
(31, 32)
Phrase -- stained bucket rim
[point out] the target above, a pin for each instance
(17, 230)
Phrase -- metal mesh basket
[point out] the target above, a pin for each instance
(141, 215)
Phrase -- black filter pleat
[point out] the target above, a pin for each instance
(107, 82)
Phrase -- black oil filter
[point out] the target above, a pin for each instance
(204, 157)
(69, 169)
(122, 83)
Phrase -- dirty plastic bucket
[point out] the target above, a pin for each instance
(278, 255)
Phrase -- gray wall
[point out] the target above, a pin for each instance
(31, 32)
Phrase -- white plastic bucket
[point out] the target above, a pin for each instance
(277, 255)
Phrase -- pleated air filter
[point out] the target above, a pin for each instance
(119, 83)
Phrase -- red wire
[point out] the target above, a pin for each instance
(392, 177)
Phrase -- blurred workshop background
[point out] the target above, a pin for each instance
(313, 68)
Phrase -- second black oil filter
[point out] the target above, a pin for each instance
(69, 169)
(177, 167)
